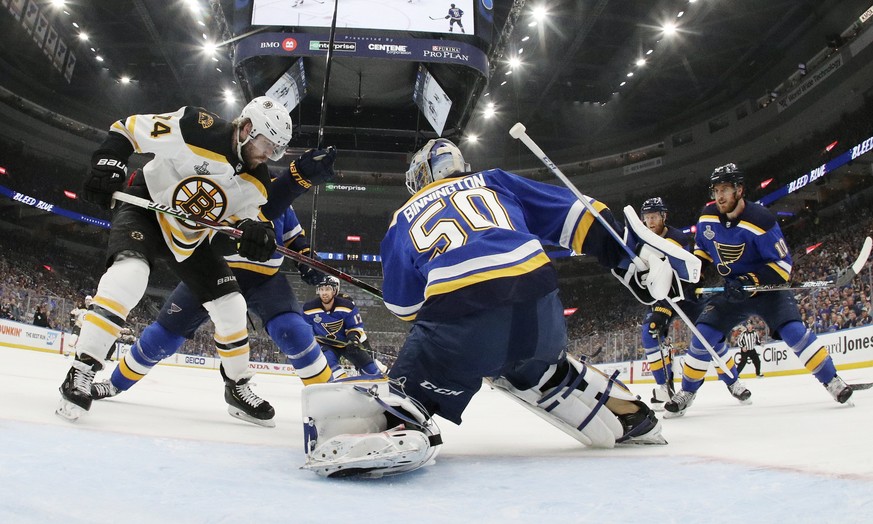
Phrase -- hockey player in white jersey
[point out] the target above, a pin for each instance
(77, 316)
(464, 260)
(213, 169)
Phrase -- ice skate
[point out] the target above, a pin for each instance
(677, 405)
(76, 388)
(641, 428)
(740, 392)
(660, 395)
(839, 390)
(244, 404)
(104, 389)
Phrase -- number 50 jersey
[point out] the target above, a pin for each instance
(475, 241)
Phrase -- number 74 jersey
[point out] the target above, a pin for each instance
(475, 241)
(195, 169)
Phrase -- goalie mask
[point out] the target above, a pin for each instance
(269, 118)
(438, 159)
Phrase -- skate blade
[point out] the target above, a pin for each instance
(658, 407)
(643, 440)
(69, 411)
(671, 414)
(242, 415)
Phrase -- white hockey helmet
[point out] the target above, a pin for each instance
(269, 118)
(438, 159)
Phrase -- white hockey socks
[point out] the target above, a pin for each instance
(119, 291)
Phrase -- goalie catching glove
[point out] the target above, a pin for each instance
(365, 428)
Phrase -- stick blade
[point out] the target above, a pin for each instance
(862, 258)
(517, 130)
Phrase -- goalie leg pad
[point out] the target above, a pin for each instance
(347, 433)
(571, 397)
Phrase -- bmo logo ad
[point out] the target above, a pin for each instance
(287, 45)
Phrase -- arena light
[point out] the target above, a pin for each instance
(570, 310)
(813, 247)
(83, 36)
(69, 194)
(669, 29)
(59, 3)
(641, 62)
(209, 48)
(539, 13)
(353, 238)
(525, 38)
(472, 138)
(125, 80)
(831, 146)
(766, 183)
(2, 170)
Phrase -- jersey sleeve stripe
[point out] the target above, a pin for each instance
(702, 254)
(255, 268)
(584, 225)
(570, 222)
(779, 271)
(406, 313)
(531, 264)
(708, 218)
(490, 261)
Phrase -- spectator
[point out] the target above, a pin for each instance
(39, 317)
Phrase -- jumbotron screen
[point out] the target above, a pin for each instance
(394, 15)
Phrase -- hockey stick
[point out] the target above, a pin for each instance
(436, 18)
(842, 278)
(518, 132)
(236, 233)
(668, 372)
(860, 386)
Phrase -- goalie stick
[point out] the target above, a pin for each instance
(518, 132)
(842, 278)
(236, 233)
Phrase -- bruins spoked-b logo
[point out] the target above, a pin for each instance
(200, 197)
(728, 254)
(205, 120)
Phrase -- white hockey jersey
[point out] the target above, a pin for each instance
(195, 169)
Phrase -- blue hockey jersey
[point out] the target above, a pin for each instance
(475, 241)
(341, 322)
(752, 244)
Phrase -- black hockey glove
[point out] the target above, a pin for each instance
(314, 167)
(258, 240)
(659, 321)
(733, 288)
(107, 176)
(310, 275)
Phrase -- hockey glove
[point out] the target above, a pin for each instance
(310, 275)
(659, 320)
(733, 288)
(314, 167)
(258, 240)
(107, 176)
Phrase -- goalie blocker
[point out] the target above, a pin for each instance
(365, 428)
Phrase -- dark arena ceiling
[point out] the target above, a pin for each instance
(572, 84)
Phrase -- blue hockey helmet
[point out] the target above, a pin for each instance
(726, 174)
(653, 205)
(328, 281)
(438, 159)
